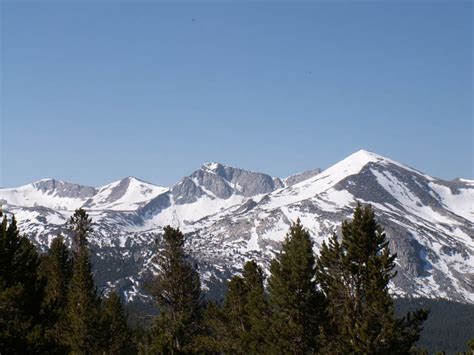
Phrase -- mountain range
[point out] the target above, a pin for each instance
(231, 215)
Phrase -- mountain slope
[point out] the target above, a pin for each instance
(428, 221)
(209, 190)
(48, 193)
(126, 194)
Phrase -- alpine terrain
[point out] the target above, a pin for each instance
(230, 215)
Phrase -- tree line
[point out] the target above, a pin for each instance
(336, 303)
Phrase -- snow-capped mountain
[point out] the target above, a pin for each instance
(123, 195)
(231, 215)
(49, 193)
(428, 221)
(207, 191)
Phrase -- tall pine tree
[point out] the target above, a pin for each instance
(20, 292)
(246, 311)
(82, 321)
(354, 275)
(177, 291)
(56, 270)
(240, 325)
(81, 225)
(117, 336)
(294, 300)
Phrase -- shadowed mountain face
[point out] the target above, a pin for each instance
(222, 182)
(231, 215)
(297, 178)
(64, 189)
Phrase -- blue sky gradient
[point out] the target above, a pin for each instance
(96, 91)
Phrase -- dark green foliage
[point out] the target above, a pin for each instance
(20, 292)
(294, 300)
(82, 321)
(117, 337)
(56, 270)
(256, 310)
(81, 225)
(354, 277)
(177, 291)
(82, 312)
(213, 337)
(241, 325)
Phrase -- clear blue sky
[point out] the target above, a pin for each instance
(96, 91)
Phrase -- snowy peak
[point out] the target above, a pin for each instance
(361, 158)
(212, 167)
(224, 181)
(218, 181)
(368, 177)
(49, 193)
(352, 164)
(126, 194)
(211, 189)
(322, 182)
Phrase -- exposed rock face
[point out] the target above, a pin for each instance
(64, 189)
(223, 181)
(295, 179)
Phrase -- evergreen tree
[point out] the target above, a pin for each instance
(56, 270)
(354, 277)
(246, 312)
(213, 337)
(82, 322)
(81, 225)
(177, 291)
(240, 325)
(116, 332)
(295, 303)
(20, 292)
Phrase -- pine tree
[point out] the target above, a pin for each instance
(240, 325)
(213, 337)
(177, 291)
(354, 276)
(294, 300)
(246, 312)
(20, 292)
(116, 332)
(81, 225)
(82, 321)
(56, 270)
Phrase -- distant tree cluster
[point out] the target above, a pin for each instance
(337, 303)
